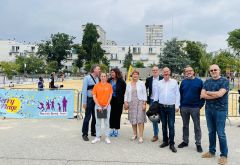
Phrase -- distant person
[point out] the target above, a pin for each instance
(215, 92)
(151, 86)
(40, 84)
(135, 101)
(119, 87)
(51, 83)
(11, 85)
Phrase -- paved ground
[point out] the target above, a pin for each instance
(59, 142)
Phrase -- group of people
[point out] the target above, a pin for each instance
(112, 94)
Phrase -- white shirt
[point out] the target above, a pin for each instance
(154, 86)
(168, 93)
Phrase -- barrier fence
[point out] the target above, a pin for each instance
(233, 107)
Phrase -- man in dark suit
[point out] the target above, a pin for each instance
(151, 84)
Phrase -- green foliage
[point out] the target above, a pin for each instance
(195, 51)
(9, 68)
(173, 57)
(225, 60)
(89, 40)
(139, 64)
(81, 55)
(33, 64)
(204, 64)
(91, 48)
(234, 40)
(51, 67)
(56, 49)
(128, 59)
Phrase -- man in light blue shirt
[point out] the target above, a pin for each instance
(168, 97)
(88, 103)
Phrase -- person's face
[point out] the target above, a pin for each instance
(113, 74)
(214, 71)
(166, 73)
(103, 77)
(189, 73)
(155, 71)
(135, 76)
(97, 70)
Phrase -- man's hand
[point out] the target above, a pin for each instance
(84, 106)
(177, 109)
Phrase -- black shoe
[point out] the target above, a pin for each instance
(85, 137)
(93, 134)
(199, 148)
(183, 144)
(171, 147)
(164, 144)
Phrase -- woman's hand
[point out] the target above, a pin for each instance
(144, 107)
(126, 106)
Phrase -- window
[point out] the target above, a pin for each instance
(150, 50)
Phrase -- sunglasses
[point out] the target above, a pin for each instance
(213, 70)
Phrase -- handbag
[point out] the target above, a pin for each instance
(102, 114)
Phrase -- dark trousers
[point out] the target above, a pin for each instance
(116, 112)
(168, 121)
(195, 115)
(89, 111)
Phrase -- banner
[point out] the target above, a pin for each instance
(15, 103)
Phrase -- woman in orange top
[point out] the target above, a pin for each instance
(102, 95)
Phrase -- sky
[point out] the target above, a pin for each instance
(207, 21)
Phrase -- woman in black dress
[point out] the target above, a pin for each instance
(119, 87)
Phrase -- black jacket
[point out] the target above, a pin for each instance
(120, 89)
(148, 85)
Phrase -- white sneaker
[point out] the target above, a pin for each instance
(95, 140)
(107, 140)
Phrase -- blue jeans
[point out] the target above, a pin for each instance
(89, 112)
(168, 121)
(155, 124)
(106, 122)
(216, 125)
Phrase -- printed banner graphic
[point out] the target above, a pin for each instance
(36, 104)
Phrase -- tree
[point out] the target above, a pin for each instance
(94, 52)
(56, 49)
(234, 40)
(52, 67)
(194, 51)
(204, 63)
(32, 62)
(90, 37)
(225, 60)
(128, 59)
(9, 68)
(139, 64)
(81, 55)
(173, 57)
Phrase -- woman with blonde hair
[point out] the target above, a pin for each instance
(135, 101)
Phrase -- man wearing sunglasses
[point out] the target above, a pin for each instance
(215, 92)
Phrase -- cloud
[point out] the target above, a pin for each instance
(207, 21)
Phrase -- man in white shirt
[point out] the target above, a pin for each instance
(168, 96)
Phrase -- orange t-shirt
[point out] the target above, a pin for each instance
(103, 91)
